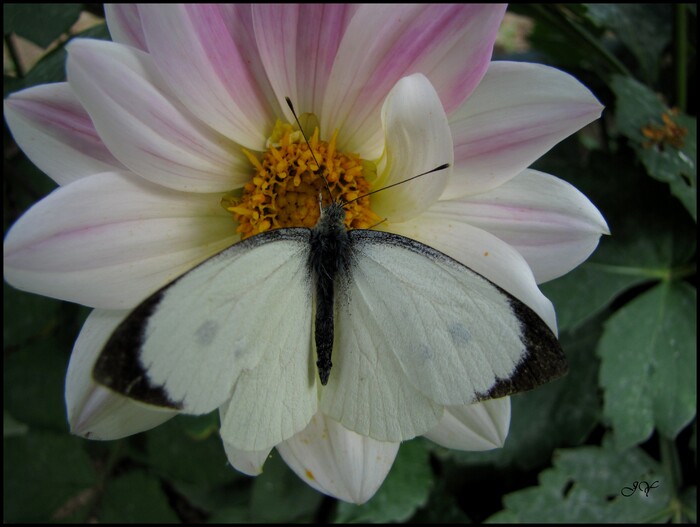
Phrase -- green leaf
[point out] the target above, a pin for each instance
(12, 427)
(645, 29)
(280, 496)
(677, 167)
(136, 497)
(26, 315)
(180, 450)
(43, 473)
(33, 385)
(187, 452)
(639, 107)
(405, 489)
(586, 291)
(52, 66)
(442, 507)
(689, 505)
(40, 23)
(586, 485)
(648, 368)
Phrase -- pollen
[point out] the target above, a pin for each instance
(670, 133)
(292, 179)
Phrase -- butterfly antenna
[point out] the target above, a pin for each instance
(291, 107)
(436, 169)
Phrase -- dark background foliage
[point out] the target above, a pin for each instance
(625, 413)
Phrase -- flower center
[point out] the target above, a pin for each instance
(288, 180)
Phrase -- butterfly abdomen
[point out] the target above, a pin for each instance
(329, 250)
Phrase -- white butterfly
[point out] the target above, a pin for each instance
(409, 330)
(397, 331)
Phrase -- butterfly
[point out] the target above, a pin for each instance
(378, 331)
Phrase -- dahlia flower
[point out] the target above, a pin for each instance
(174, 142)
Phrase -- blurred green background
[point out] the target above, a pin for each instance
(626, 412)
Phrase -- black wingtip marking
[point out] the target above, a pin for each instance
(544, 360)
(119, 367)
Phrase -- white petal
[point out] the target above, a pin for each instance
(474, 427)
(337, 461)
(145, 126)
(54, 130)
(246, 461)
(481, 252)
(124, 25)
(449, 43)
(553, 225)
(207, 54)
(418, 139)
(297, 45)
(517, 113)
(95, 412)
(111, 239)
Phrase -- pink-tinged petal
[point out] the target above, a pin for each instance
(298, 44)
(54, 130)
(245, 461)
(145, 126)
(450, 43)
(338, 462)
(111, 239)
(417, 140)
(483, 253)
(474, 427)
(207, 54)
(124, 23)
(517, 113)
(95, 412)
(553, 225)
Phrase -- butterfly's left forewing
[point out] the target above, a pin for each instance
(415, 329)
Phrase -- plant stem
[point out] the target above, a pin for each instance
(671, 463)
(681, 56)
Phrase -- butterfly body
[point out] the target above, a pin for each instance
(329, 254)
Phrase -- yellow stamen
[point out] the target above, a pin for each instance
(287, 182)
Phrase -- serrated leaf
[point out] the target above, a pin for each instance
(586, 485)
(405, 489)
(42, 472)
(586, 291)
(648, 364)
(40, 23)
(135, 497)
